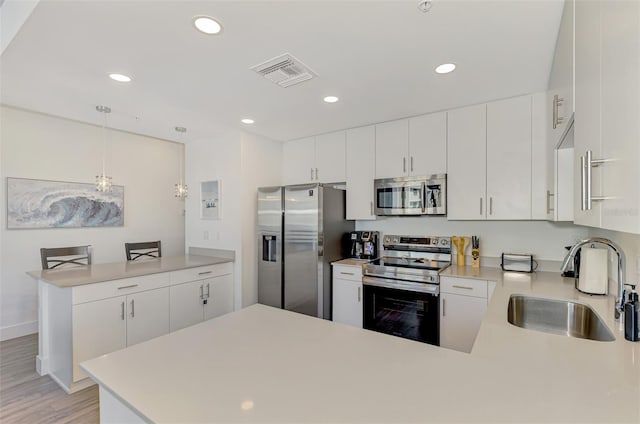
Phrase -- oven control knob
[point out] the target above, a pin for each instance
(444, 242)
(434, 241)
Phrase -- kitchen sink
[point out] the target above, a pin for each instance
(560, 317)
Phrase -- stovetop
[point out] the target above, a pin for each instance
(417, 263)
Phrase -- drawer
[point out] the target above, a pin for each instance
(97, 291)
(348, 272)
(200, 273)
(464, 286)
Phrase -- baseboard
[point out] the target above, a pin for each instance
(18, 330)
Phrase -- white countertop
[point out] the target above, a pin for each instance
(97, 273)
(351, 262)
(286, 367)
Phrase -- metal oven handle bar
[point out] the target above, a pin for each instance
(389, 283)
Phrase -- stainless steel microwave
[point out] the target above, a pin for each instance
(411, 195)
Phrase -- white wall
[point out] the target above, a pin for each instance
(45, 147)
(261, 167)
(242, 162)
(545, 240)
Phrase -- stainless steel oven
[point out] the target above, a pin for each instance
(402, 287)
(411, 195)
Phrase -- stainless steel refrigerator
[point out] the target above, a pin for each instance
(300, 232)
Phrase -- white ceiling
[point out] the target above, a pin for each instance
(377, 56)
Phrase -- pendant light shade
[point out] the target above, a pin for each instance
(181, 190)
(103, 181)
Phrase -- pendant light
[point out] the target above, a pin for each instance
(103, 182)
(181, 189)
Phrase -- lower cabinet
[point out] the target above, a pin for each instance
(347, 295)
(463, 303)
(197, 301)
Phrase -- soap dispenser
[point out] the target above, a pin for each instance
(632, 316)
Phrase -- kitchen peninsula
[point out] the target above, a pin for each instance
(263, 364)
(91, 310)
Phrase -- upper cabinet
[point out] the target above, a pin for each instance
(607, 106)
(489, 162)
(319, 159)
(412, 147)
(361, 171)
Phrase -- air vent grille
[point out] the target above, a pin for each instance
(284, 70)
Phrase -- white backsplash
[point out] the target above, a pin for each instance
(545, 240)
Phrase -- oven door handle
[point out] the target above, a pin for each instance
(389, 283)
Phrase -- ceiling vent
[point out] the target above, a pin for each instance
(284, 70)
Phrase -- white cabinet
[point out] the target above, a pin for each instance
(412, 147)
(607, 74)
(360, 169)
(99, 327)
(202, 299)
(466, 163)
(463, 303)
(315, 159)
(106, 325)
(347, 295)
(489, 161)
(509, 159)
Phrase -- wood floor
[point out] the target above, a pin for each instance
(26, 397)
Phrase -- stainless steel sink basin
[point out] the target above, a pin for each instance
(557, 317)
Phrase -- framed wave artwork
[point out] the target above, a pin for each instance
(59, 204)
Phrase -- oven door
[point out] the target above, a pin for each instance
(399, 196)
(401, 312)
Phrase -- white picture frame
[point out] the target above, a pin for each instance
(210, 200)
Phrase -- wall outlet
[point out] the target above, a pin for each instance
(205, 235)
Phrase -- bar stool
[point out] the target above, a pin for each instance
(59, 256)
(151, 249)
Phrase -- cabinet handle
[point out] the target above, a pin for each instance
(347, 273)
(481, 206)
(371, 208)
(462, 287)
(205, 272)
(311, 174)
(201, 291)
(411, 163)
(444, 313)
(557, 101)
(317, 174)
(122, 311)
(127, 287)
(549, 196)
(404, 164)
(587, 164)
(359, 295)
(208, 291)
(490, 205)
(133, 311)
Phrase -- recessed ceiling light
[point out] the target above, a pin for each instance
(207, 25)
(445, 68)
(248, 121)
(120, 77)
(331, 99)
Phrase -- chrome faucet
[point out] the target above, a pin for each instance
(619, 305)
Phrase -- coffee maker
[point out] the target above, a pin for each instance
(362, 244)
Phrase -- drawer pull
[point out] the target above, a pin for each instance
(122, 312)
(346, 273)
(133, 311)
(127, 287)
(462, 287)
(205, 272)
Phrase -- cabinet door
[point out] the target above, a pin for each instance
(460, 318)
(428, 144)
(361, 162)
(185, 305)
(466, 163)
(331, 158)
(147, 315)
(347, 302)
(620, 114)
(220, 300)
(392, 145)
(509, 158)
(298, 161)
(99, 327)
(587, 105)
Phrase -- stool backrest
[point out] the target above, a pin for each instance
(149, 249)
(60, 256)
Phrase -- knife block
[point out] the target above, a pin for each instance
(475, 258)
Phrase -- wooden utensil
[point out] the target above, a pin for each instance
(461, 244)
